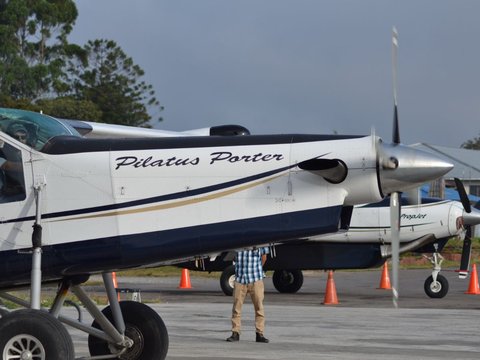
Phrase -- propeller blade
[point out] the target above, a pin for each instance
(394, 196)
(467, 248)
(395, 209)
(463, 195)
(396, 130)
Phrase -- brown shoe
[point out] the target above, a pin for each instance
(261, 339)
(234, 337)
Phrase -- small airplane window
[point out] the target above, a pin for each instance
(31, 128)
(12, 181)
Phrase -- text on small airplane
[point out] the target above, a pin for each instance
(413, 217)
(215, 157)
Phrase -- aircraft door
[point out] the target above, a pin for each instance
(15, 194)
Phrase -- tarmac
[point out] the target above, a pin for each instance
(364, 325)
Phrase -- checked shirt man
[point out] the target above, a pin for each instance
(249, 280)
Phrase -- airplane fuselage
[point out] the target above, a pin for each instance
(122, 203)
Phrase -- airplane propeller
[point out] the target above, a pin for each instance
(398, 166)
(463, 195)
(467, 224)
(395, 206)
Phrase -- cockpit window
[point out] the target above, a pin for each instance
(31, 128)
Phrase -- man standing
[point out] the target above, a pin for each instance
(249, 279)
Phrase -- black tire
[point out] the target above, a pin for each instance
(227, 280)
(436, 290)
(143, 325)
(37, 334)
(287, 281)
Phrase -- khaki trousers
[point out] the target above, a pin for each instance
(256, 291)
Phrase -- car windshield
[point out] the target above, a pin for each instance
(31, 128)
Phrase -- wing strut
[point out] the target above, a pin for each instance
(36, 274)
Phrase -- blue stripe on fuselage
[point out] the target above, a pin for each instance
(112, 253)
(156, 199)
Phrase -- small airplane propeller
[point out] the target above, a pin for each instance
(396, 130)
(467, 241)
(463, 195)
(395, 205)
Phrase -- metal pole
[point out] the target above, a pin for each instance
(114, 305)
(36, 275)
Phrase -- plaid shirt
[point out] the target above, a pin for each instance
(248, 265)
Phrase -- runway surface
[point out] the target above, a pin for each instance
(363, 326)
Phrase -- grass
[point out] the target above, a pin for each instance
(165, 271)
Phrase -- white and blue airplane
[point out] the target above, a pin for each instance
(98, 205)
(425, 228)
(101, 205)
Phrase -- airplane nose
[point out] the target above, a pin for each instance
(402, 167)
(472, 218)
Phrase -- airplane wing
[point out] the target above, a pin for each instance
(92, 129)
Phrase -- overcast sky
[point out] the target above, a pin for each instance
(302, 66)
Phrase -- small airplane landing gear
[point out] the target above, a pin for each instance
(227, 280)
(143, 326)
(34, 334)
(436, 289)
(124, 330)
(287, 281)
(436, 285)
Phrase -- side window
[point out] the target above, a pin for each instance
(12, 180)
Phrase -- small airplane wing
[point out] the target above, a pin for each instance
(100, 130)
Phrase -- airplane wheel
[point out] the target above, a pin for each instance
(143, 325)
(227, 280)
(287, 281)
(438, 289)
(36, 335)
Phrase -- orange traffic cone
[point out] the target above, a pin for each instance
(331, 291)
(385, 280)
(473, 288)
(185, 280)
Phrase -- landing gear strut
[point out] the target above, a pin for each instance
(436, 285)
(124, 330)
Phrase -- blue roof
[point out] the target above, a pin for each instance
(450, 194)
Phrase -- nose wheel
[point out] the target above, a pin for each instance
(436, 285)
(436, 289)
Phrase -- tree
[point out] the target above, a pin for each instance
(111, 80)
(32, 59)
(61, 107)
(40, 69)
(70, 108)
(473, 144)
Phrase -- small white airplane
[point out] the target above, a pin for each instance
(102, 205)
(425, 228)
